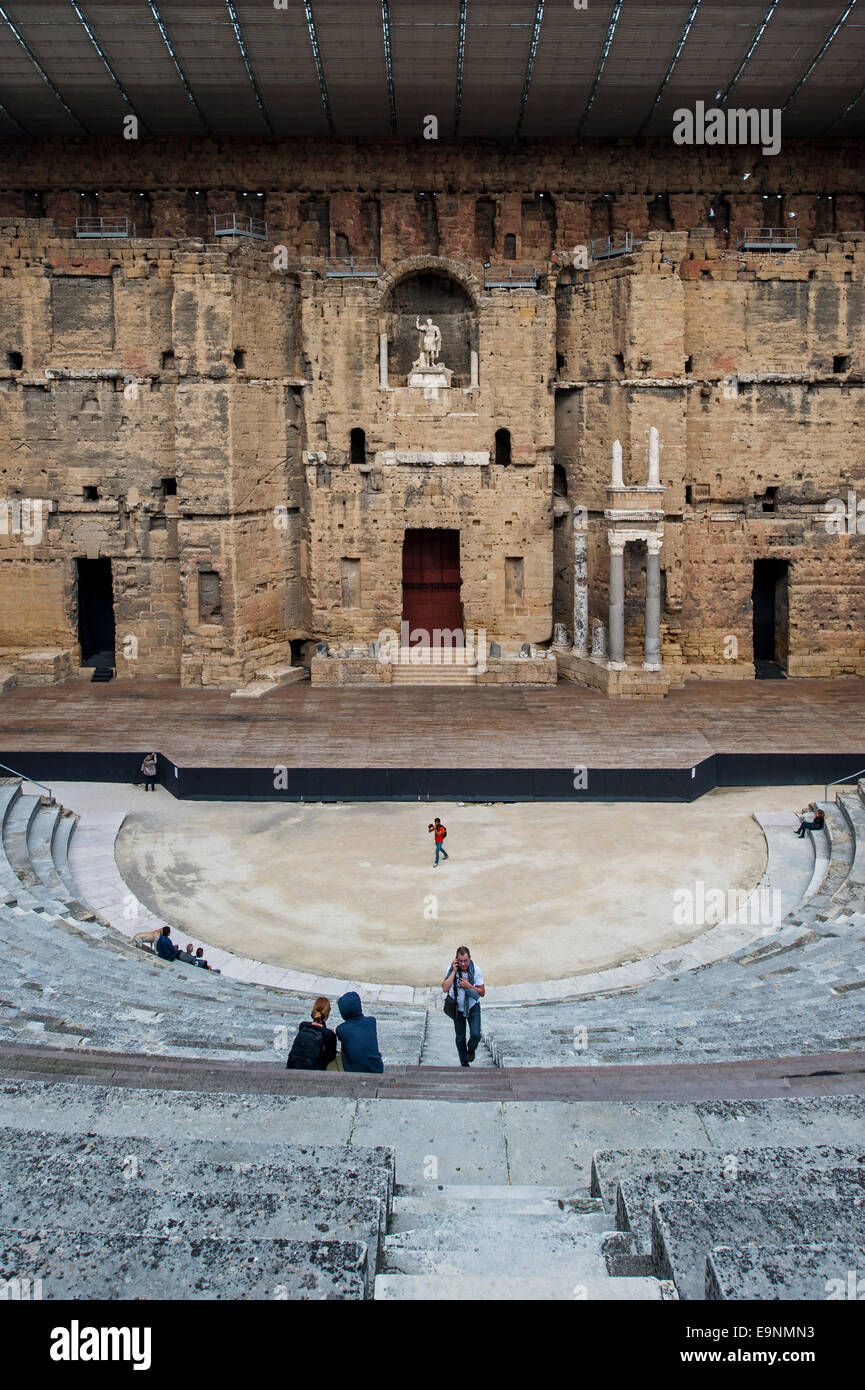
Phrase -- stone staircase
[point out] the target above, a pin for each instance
(430, 666)
(439, 1047)
(502, 1242)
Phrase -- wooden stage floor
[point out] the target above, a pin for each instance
(563, 726)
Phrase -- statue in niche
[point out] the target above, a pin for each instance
(429, 345)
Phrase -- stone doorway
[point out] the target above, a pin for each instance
(431, 584)
(771, 619)
(95, 592)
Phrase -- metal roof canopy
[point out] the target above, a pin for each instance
(491, 69)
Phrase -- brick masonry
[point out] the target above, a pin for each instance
(124, 364)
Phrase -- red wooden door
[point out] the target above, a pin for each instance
(431, 582)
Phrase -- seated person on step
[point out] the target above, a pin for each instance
(315, 1045)
(816, 824)
(357, 1036)
(165, 947)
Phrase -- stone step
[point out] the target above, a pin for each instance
(478, 1288)
(811, 1273)
(635, 1196)
(537, 1254)
(82, 1266)
(683, 1233)
(612, 1166)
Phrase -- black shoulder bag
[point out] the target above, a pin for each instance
(450, 1004)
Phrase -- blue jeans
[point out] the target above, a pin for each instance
(440, 849)
(474, 1022)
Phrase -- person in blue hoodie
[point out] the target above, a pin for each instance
(165, 947)
(357, 1036)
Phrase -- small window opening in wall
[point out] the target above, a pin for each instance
(509, 249)
(689, 363)
(560, 361)
(841, 363)
(168, 361)
(560, 481)
(620, 361)
(239, 358)
(209, 597)
(689, 494)
(503, 447)
(169, 487)
(358, 446)
(14, 361)
(91, 494)
(769, 499)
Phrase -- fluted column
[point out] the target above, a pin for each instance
(652, 660)
(581, 589)
(616, 626)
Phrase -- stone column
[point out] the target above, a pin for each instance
(616, 625)
(653, 604)
(581, 592)
(473, 380)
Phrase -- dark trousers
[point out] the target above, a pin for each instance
(474, 1022)
(150, 784)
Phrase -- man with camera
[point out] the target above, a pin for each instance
(440, 832)
(464, 987)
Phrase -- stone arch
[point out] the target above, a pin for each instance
(441, 289)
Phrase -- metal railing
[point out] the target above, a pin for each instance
(851, 777)
(510, 277)
(604, 247)
(238, 224)
(769, 239)
(351, 268)
(32, 780)
(104, 227)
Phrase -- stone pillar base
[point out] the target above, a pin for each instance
(616, 682)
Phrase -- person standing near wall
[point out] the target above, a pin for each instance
(148, 770)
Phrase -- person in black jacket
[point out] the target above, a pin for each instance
(315, 1044)
(357, 1036)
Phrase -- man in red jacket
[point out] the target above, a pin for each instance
(440, 832)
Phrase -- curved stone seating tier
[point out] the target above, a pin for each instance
(795, 991)
(71, 980)
(722, 1226)
(89, 1216)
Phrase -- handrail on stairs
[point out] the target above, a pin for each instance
(25, 778)
(851, 777)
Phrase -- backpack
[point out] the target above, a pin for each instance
(307, 1050)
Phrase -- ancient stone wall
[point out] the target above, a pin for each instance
(751, 367)
(219, 419)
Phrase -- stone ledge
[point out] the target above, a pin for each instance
(629, 683)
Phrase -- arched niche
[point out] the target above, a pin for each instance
(430, 291)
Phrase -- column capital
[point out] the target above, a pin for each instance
(617, 542)
(654, 541)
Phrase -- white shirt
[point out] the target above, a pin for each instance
(461, 993)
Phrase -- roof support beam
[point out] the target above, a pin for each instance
(605, 53)
(87, 27)
(839, 23)
(461, 57)
(388, 63)
(16, 34)
(241, 43)
(761, 29)
(176, 61)
(533, 48)
(683, 39)
(316, 54)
